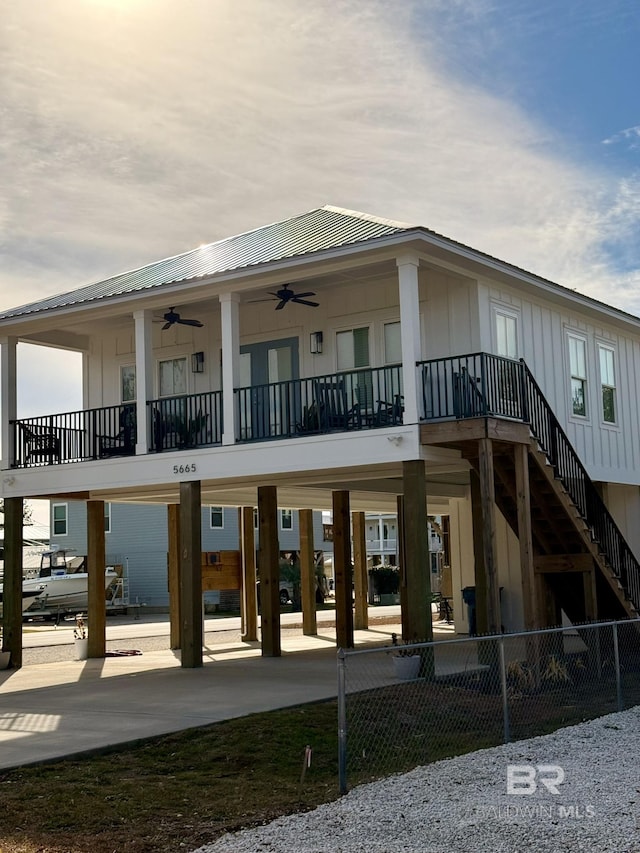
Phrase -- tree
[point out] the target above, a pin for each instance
(27, 513)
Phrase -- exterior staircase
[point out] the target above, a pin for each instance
(571, 526)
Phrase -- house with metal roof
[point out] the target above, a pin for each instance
(338, 361)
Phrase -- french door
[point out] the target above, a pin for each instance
(267, 369)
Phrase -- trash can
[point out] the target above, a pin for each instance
(469, 598)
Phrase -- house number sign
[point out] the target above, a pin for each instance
(185, 469)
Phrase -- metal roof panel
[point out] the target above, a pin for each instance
(324, 228)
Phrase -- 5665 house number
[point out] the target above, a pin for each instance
(185, 469)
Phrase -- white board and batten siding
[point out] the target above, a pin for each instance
(609, 451)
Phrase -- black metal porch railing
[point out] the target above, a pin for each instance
(350, 400)
(174, 423)
(74, 436)
(483, 385)
(179, 423)
(473, 386)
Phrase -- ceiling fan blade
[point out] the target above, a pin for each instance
(305, 302)
(167, 326)
(281, 304)
(278, 294)
(303, 295)
(190, 323)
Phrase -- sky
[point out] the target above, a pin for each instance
(136, 129)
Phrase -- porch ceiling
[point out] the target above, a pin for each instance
(368, 492)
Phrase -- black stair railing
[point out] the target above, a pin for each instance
(484, 385)
(581, 489)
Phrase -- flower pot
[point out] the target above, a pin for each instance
(407, 667)
(5, 658)
(82, 648)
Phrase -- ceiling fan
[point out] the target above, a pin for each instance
(286, 295)
(172, 317)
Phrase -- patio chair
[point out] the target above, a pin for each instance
(124, 442)
(389, 413)
(334, 411)
(41, 444)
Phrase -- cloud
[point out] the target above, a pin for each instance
(139, 130)
(630, 135)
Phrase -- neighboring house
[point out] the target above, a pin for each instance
(136, 537)
(382, 542)
(342, 360)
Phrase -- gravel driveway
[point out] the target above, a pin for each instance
(462, 805)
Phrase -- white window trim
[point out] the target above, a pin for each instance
(107, 517)
(506, 311)
(607, 345)
(173, 357)
(350, 328)
(66, 519)
(579, 336)
(121, 366)
(282, 517)
(384, 323)
(213, 526)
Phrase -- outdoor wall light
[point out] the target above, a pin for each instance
(315, 342)
(197, 362)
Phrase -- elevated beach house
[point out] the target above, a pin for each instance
(338, 361)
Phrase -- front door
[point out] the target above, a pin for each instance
(268, 369)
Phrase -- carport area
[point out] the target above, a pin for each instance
(400, 487)
(51, 710)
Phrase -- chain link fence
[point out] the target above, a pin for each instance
(401, 706)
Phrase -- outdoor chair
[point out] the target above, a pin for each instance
(334, 412)
(124, 442)
(41, 444)
(389, 413)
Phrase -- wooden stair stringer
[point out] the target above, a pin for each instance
(581, 527)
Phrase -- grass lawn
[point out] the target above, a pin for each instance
(174, 792)
(184, 790)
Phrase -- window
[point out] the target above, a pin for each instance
(107, 518)
(216, 517)
(173, 377)
(506, 334)
(128, 383)
(506, 346)
(353, 348)
(578, 367)
(608, 383)
(59, 512)
(392, 343)
(256, 520)
(286, 519)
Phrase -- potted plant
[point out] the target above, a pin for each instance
(80, 638)
(406, 660)
(386, 582)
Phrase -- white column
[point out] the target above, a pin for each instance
(410, 331)
(230, 314)
(144, 376)
(8, 398)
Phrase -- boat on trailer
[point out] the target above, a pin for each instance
(28, 597)
(62, 584)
